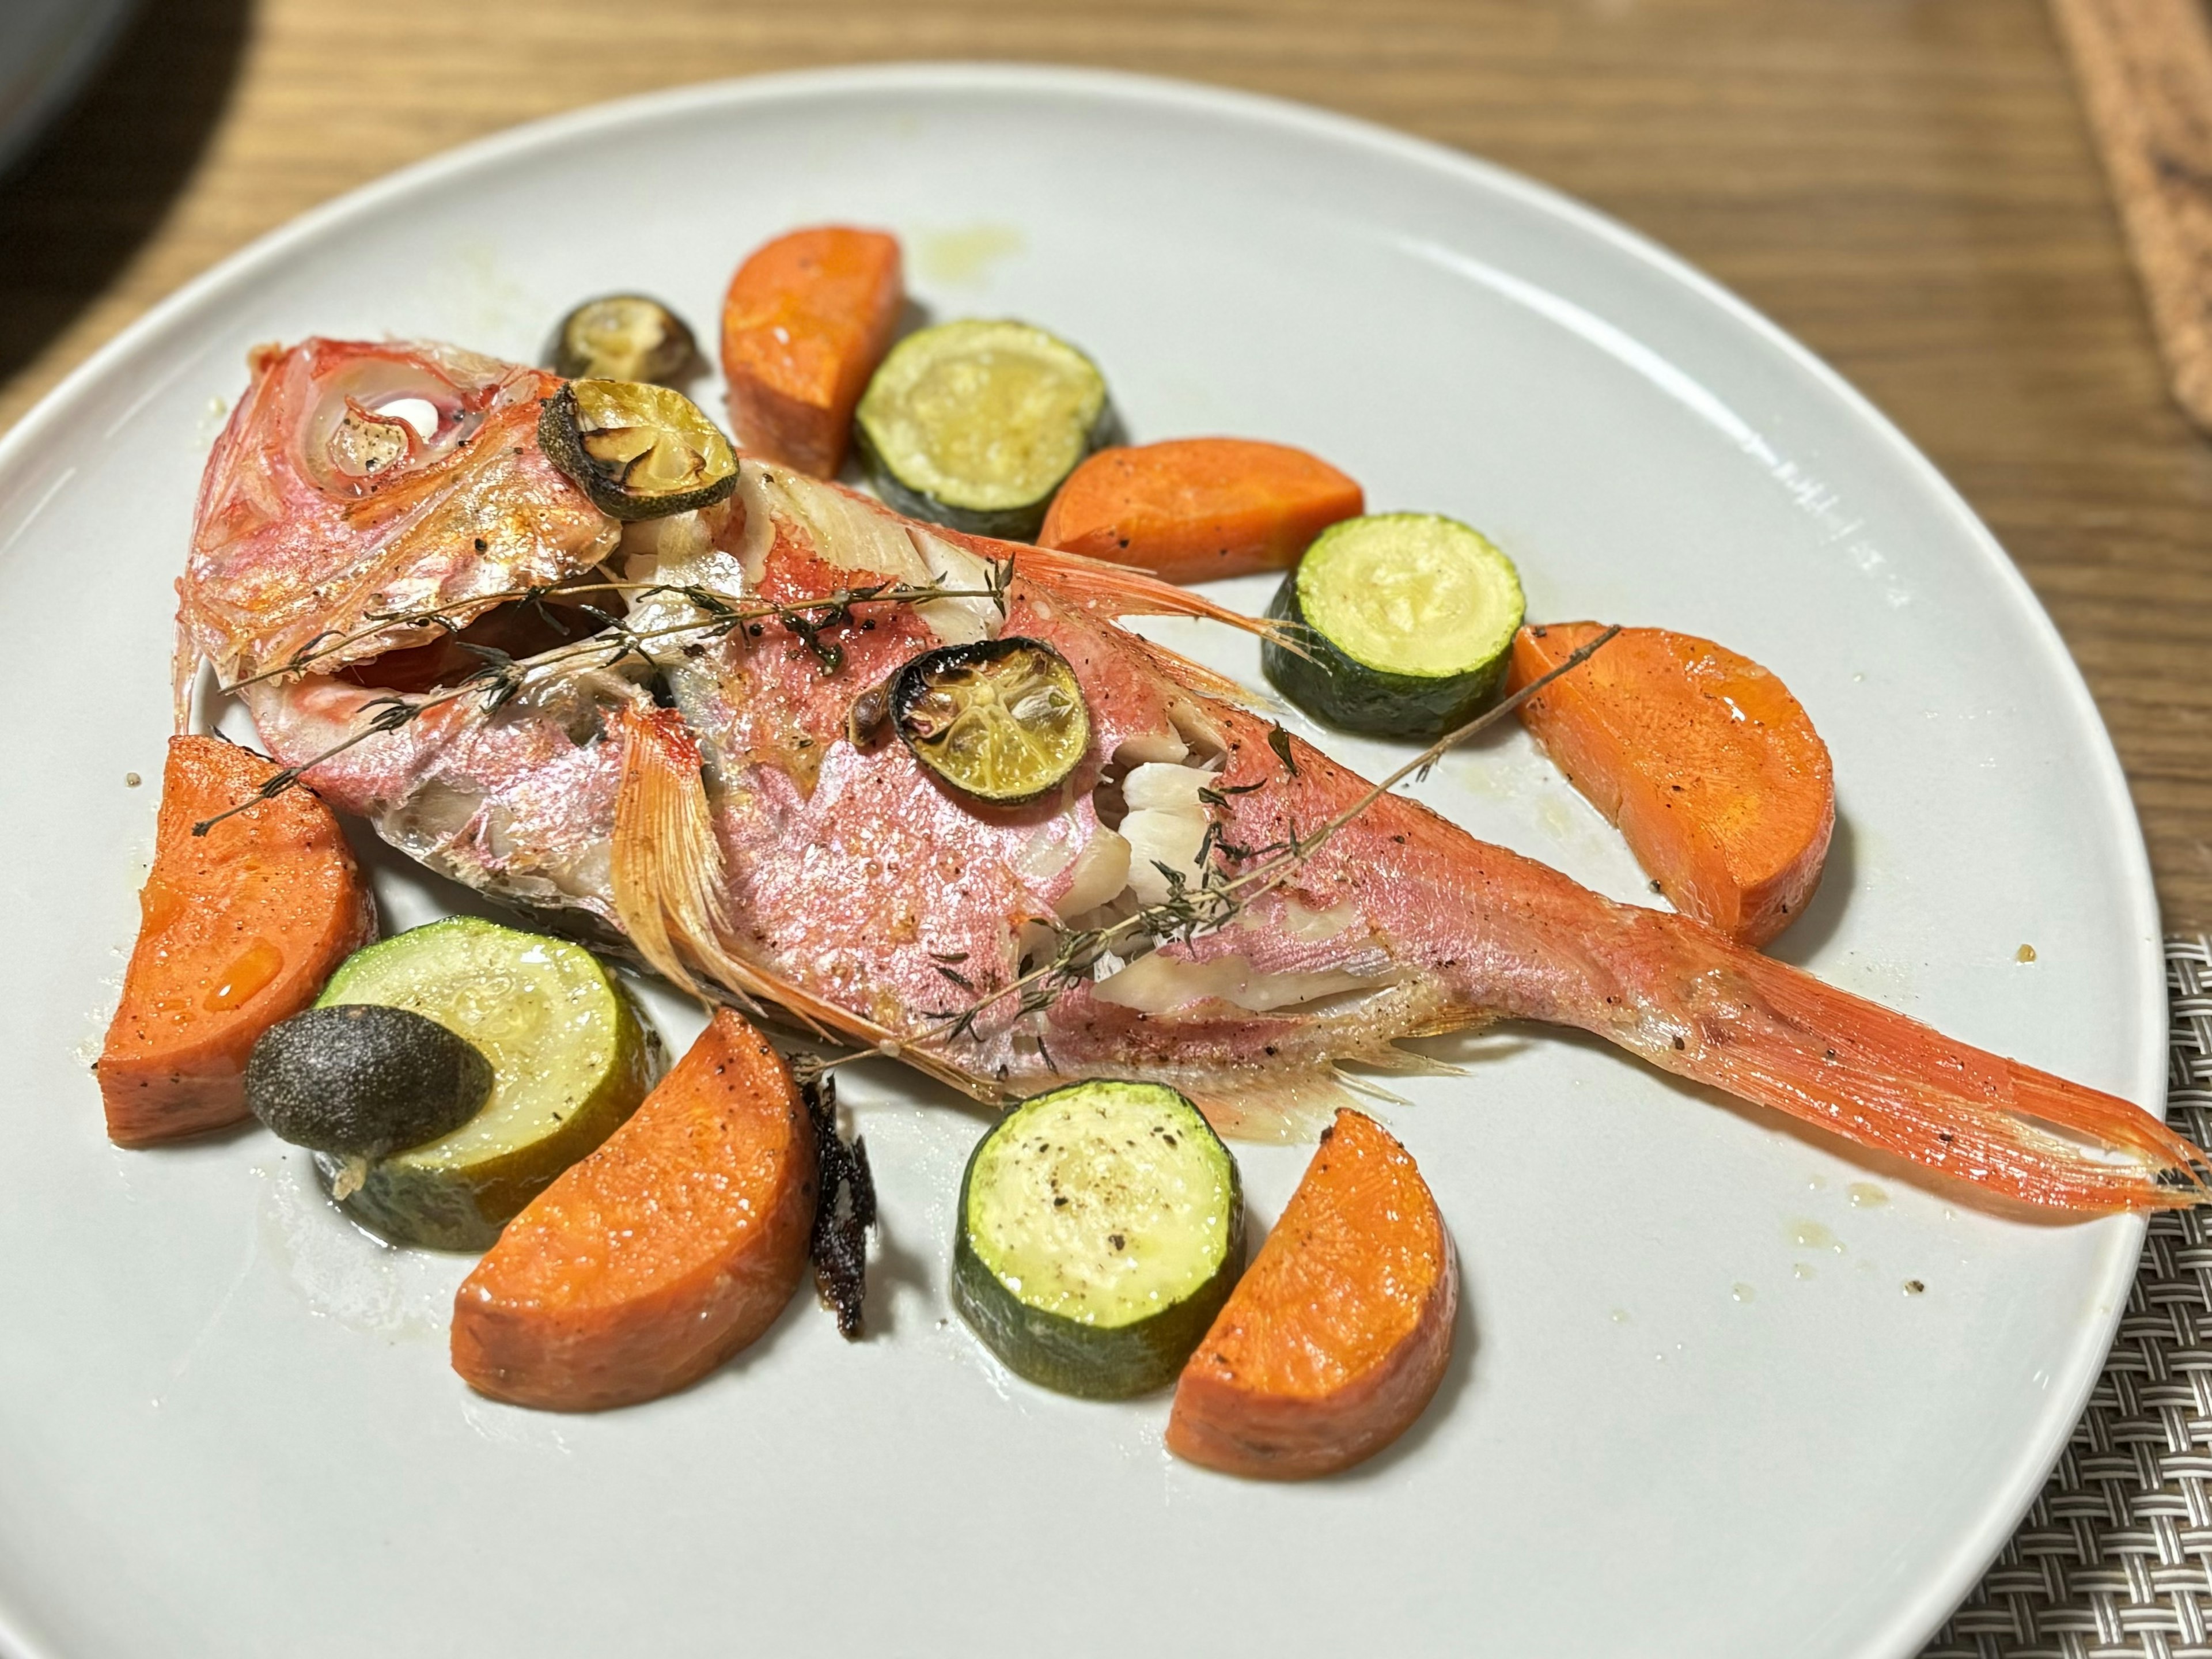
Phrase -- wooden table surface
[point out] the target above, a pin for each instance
(1905, 184)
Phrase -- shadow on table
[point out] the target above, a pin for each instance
(100, 182)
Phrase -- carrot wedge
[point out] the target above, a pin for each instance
(238, 929)
(807, 319)
(649, 1263)
(1335, 1338)
(1712, 769)
(1194, 509)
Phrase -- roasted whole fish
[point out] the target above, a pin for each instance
(652, 727)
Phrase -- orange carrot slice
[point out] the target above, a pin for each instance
(674, 1245)
(1336, 1337)
(807, 319)
(1712, 769)
(238, 929)
(1193, 508)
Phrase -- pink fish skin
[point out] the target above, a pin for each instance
(697, 788)
(323, 507)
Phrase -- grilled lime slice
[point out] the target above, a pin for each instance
(1001, 720)
(624, 337)
(638, 451)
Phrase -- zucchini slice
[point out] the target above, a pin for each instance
(1408, 621)
(1001, 720)
(570, 1061)
(976, 424)
(1101, 1227)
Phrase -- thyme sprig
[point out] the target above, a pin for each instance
(1190, 911)
(818, 614)
(500, 678)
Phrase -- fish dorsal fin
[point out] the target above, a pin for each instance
(1197, 677)
(1116, 590)
(670, 887)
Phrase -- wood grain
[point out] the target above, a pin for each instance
(2146, 73)
(1904, 183)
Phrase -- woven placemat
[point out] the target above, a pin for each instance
(2114, 1560)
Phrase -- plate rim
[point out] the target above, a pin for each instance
(1921, 1610)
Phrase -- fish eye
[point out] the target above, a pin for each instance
(378, 415)
(418, 413)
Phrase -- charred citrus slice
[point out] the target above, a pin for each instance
(624, 337)
(638, 451)
(1002, 721)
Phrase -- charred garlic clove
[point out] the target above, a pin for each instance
(638, 451)
(870, 715)
(624, 337)
(1001, 720)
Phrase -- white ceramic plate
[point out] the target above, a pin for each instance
(1693, 1410)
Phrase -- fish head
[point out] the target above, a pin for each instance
(366, 496)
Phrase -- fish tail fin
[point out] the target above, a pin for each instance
(671, 887)
(1717, 1014)
(1118, 590)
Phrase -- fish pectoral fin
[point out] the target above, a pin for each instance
(1290, 1108)
(667, 866)
(670, 886)
(670, 881)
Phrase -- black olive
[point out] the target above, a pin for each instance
(363, 1079)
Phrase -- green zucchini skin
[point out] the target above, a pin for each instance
(1356, 696)
(410, 1206)
(467, 1209)
(1012, 524)
(1091, 1362)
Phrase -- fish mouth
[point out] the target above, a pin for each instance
(520, 629)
